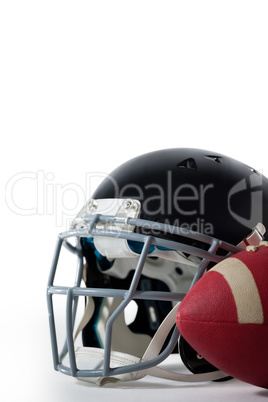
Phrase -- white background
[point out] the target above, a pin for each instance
(84, 86)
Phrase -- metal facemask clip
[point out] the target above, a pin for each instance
(255, 237)
(113, 215)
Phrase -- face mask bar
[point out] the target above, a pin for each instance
(122, 227)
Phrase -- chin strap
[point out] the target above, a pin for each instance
(84, 355)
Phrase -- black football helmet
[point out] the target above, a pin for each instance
(152, 228)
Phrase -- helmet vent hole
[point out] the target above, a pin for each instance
(187, 164)
(179, 271)
(214, 158)
(254, 171)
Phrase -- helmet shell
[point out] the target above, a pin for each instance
(195, 189)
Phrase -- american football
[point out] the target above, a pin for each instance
(224, 317)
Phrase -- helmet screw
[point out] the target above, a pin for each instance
(128, 204)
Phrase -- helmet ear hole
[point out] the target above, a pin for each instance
(194, 362)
